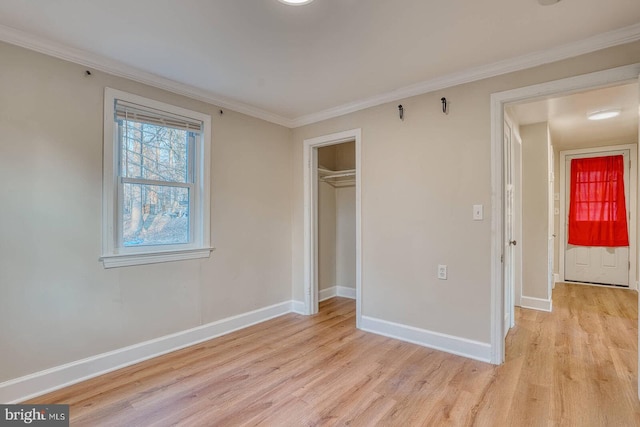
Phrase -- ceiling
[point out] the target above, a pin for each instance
(296, 61)
(567, 117)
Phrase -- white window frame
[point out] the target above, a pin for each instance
(114, 253)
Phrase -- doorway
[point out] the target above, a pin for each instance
(544, 91)
(599, 265)
(336, 221)
(314, 175)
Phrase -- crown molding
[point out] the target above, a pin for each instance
(621, 36)
(98, 62)
(591, 44)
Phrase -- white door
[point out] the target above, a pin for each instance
(516, 155)
(550, 203)
(599, 265)
(635, 210)
(509, 271)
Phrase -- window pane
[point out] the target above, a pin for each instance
(154, 215)
(155, 152)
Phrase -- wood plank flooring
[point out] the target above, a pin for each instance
(576, 366)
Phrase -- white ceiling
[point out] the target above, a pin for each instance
(294, 61)
(567, 117)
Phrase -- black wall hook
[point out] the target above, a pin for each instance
(401, 112)
(445, 107)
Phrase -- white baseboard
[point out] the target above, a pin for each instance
(337, 291)
(438, 341)
(346, 292)
(536, 303)
(297, 307)
(39, 383)
(556, 278)
(324, 294)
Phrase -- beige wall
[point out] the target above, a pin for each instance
(345, 156)
(58, 304)
(327, 244)
(346, 237)
(327, 157)
(336, 236)
(420, 178)
(535, 210)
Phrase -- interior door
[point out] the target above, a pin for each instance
(551, 237)
(636, 219)
(509, 271)
(516, 155)
(599, 265)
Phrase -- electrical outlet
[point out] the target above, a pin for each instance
(442, 272)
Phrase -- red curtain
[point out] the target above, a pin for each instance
(597, 210)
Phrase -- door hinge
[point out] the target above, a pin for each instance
(629, 265)
(502, 258)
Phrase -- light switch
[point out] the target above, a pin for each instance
(478, 213)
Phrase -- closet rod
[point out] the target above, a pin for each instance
(339, 175)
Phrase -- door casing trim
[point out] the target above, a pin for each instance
(610, 77)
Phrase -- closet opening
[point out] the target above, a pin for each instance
(332, 219)
(337, 221)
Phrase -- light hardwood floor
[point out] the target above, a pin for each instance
(576, 366)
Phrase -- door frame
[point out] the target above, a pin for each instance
(510, 251)
(611, 77)
(310, 168)
(633, 204)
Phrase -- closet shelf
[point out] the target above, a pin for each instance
(340, 178)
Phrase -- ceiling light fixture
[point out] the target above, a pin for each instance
(295, 2)
(603, 114)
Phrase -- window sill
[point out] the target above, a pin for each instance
(126, 260)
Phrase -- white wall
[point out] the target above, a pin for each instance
(57, 303)
(420, 178)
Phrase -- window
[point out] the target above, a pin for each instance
(156, 181)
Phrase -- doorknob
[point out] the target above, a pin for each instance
(513, 242)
